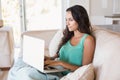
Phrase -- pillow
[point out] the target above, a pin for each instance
(85, 72)
(55, 42)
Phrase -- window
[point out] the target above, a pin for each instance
(43, 14)
(116, 7)
(11, 17)
(31, 15)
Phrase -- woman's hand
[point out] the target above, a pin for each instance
(47, 58)
(52, 63)
(51, 58)
(61, 63)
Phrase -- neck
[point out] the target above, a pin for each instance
(77, 33)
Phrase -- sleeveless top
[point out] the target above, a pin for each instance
(73, 54)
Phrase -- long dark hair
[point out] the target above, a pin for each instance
(81, 17)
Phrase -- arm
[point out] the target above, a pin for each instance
(88, 53)
(51, 58)
(50, 61)
(89, 47)
(61, 63)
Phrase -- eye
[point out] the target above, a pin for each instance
(70, 19)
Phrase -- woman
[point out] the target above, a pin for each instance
(75, 49)
(77, 46)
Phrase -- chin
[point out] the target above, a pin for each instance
(70, 29)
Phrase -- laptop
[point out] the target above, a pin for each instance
(33, 54)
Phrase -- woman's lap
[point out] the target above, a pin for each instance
(22, 71)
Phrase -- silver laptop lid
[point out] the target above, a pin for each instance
(33, 52)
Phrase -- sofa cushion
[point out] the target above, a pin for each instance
(107, 54)
(53, 46)
(85, 72)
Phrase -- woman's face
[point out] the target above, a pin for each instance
(70, 22)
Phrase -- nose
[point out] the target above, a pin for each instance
(67, 23)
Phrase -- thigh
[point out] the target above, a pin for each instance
(37, 75)
(55, 76)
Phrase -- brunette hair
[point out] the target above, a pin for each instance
(80, 15)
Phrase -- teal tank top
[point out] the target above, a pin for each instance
(73, 54)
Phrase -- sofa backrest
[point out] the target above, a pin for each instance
(47, 35)
(107, 54)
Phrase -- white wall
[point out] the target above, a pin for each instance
(84, 3)
(96, 9)
(0, 11)
(100, 8)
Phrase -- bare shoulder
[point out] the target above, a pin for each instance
(89, 48)
(90, 40)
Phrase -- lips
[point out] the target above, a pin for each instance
(69, 26)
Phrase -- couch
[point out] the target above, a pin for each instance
(107, 52)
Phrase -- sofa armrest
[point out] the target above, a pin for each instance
(6, 47)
